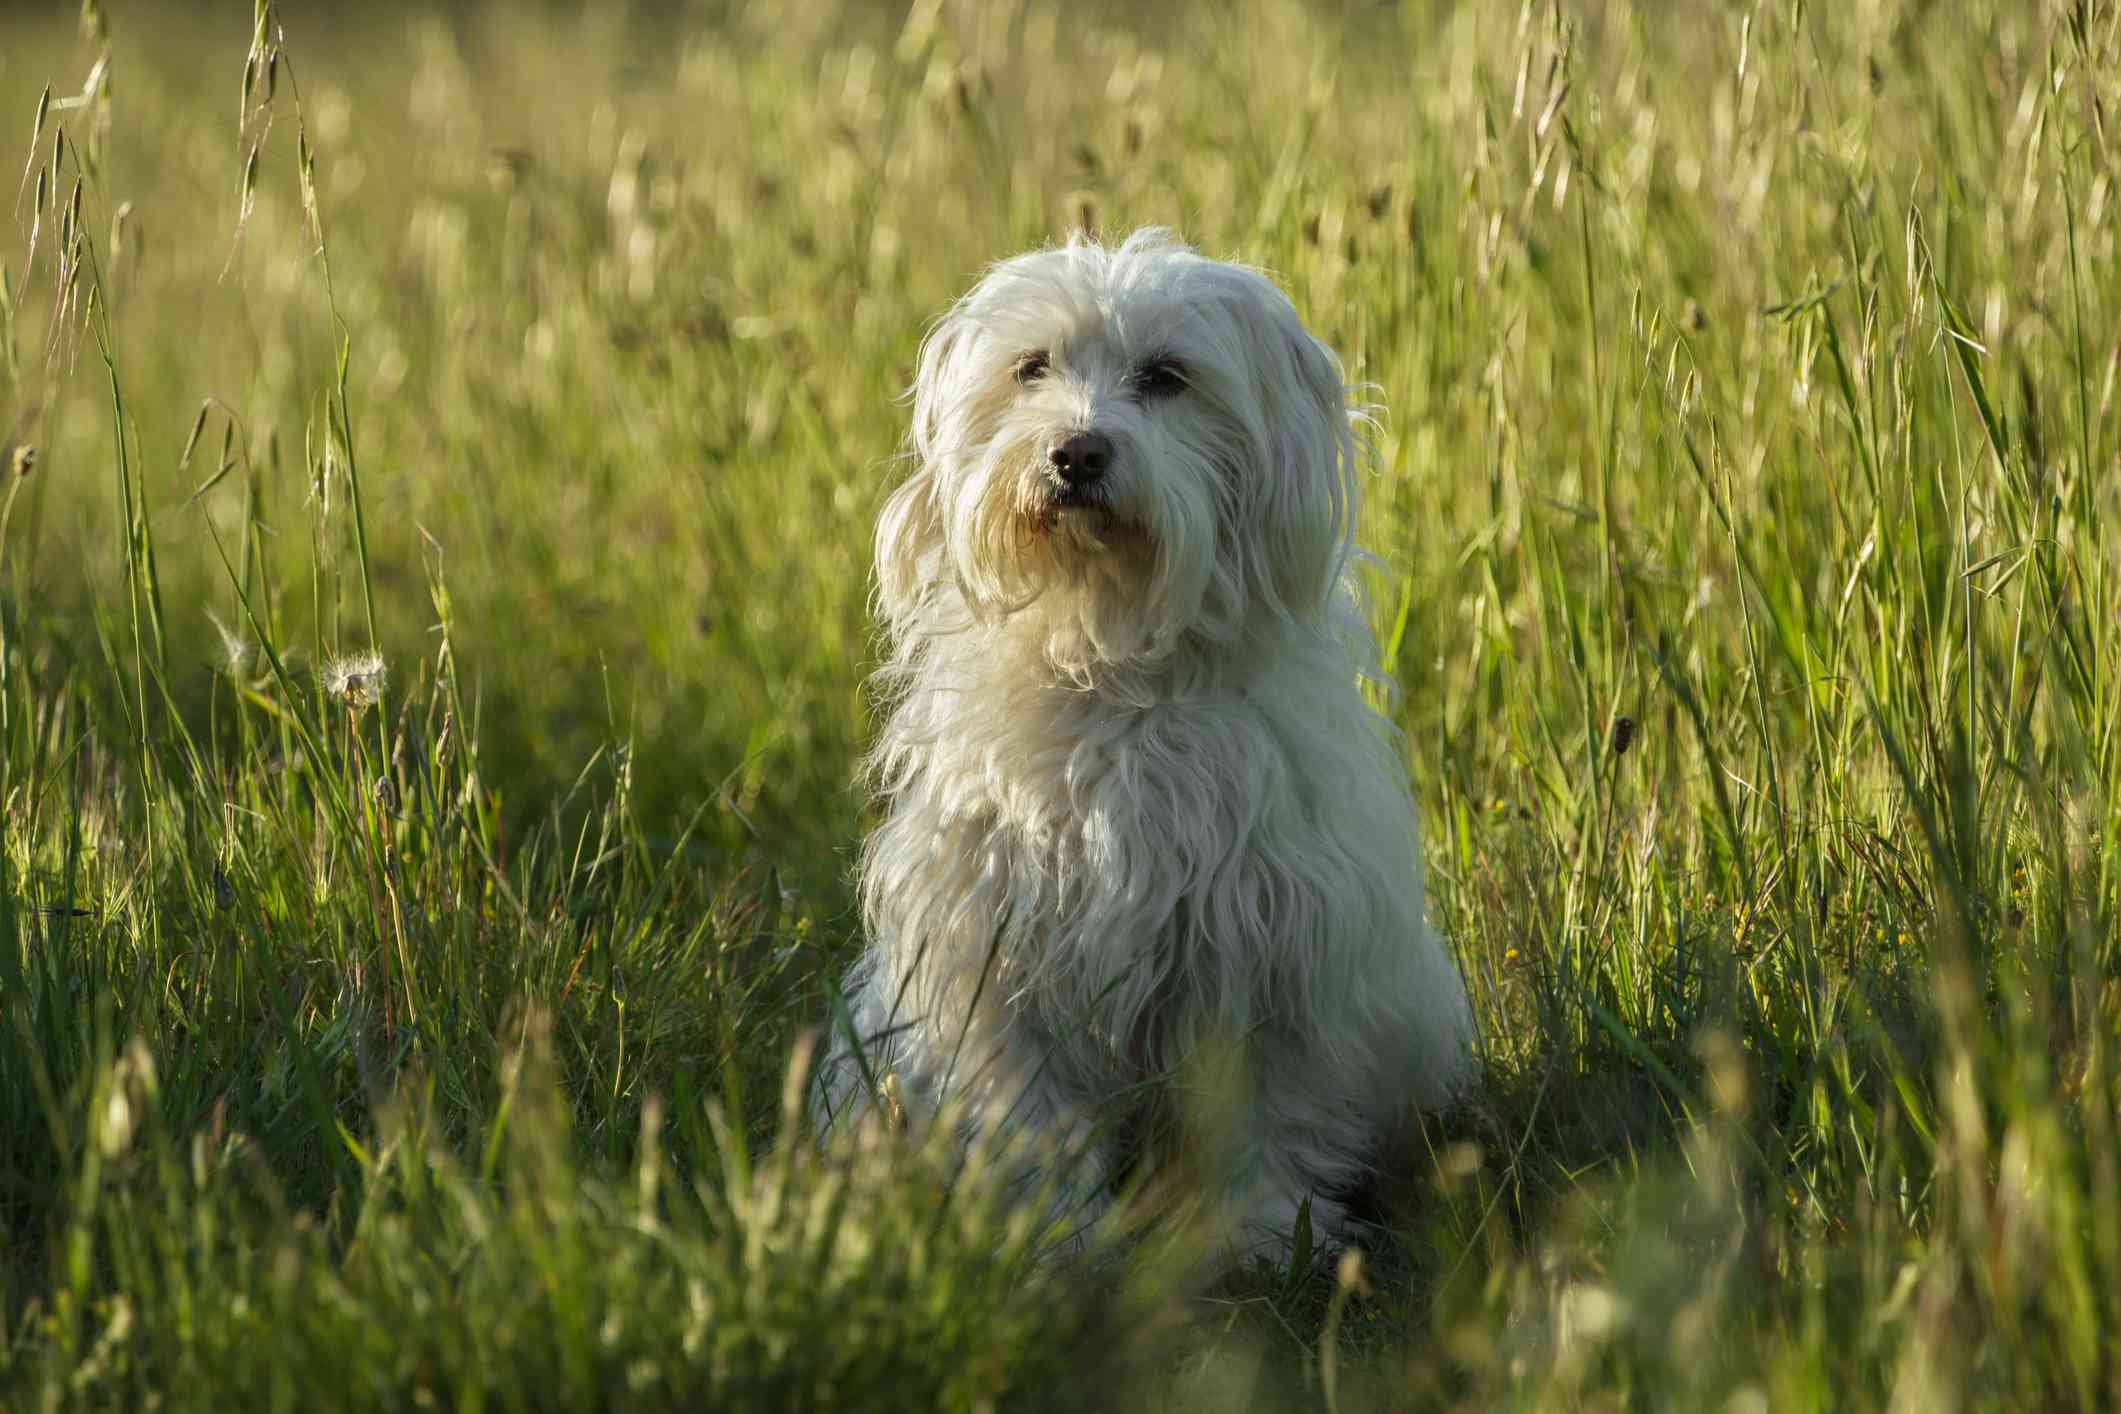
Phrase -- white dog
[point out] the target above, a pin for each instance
(1136, 805)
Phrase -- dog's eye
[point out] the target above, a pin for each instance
(1032, 366)
(1160, 378)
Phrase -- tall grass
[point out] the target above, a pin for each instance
(441, 448)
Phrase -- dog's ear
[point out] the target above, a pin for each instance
(909, 533)
(1304, 496)
(909, 540)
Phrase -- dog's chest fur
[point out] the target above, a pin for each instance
(1120, 863)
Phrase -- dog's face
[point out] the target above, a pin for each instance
(1133, 443)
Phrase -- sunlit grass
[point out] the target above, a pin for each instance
(1742, 515)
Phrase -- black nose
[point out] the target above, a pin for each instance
(1083, 458)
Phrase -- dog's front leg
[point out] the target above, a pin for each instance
(1037, 1128)
(1304, 1148)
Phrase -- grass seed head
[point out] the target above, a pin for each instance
(356, 680)
(236, 653)
(36, 137)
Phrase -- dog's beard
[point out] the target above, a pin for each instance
(1069, 533)
(1107, 574)
(1076, 564)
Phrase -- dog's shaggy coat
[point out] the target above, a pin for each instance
(1137, 807)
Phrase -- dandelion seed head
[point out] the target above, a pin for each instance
(356, 680)
(236, 651)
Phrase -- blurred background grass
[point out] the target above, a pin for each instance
(1748, 373)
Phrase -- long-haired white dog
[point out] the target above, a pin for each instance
(1136, 805)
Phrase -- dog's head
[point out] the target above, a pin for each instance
(1135, 443)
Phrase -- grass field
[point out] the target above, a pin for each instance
(415, 1033)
